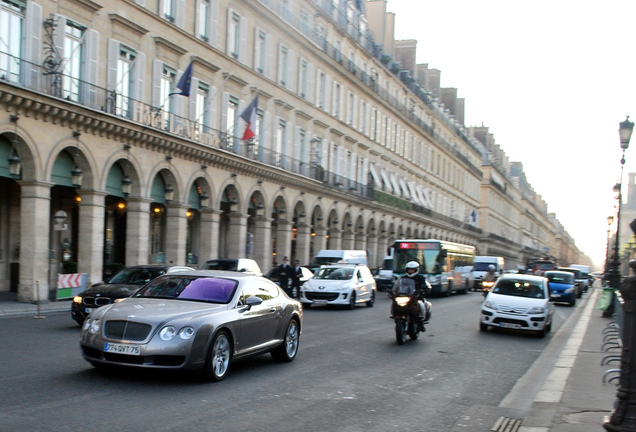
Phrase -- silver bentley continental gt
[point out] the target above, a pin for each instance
(195, 321)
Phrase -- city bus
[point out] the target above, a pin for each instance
(438, 260)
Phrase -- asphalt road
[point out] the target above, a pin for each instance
(349, 375)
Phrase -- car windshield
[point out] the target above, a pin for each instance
(519, 288)
(136, 276)
(211, 290)
(560, 278)
(334, 273)
(220, 265)
(482, 266)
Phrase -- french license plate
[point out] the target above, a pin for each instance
(556, 295)
(122, 349)
(509, 325)
(320, 302)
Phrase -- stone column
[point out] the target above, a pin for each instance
(176, 230)
(35, 231)
(334, 238)
(237, 235)
(138, 231)
(303, 239)
(372, 251)
(320, 242)
(348, 240)
(209, 247)
(263, 242)
(283, 240)
(91, 235)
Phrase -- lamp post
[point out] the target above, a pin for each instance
(625, 131)
(610, 222)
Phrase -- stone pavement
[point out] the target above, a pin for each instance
(563, 391)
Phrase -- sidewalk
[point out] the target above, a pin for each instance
(574, 397)
(11, 307)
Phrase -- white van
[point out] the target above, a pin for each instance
(332, 256)
(587, 280)
(480, 268)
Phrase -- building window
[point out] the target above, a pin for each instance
(281, 143)
(167, 84)
(72, 66)
(234, 36)
(123, 87)
(351, 109)
(337, 100)
(201, 108)
(303, 78)
(204, 20)
(260, 51)
(11, 18)
(169, 10)
(322, 90)
(283, 65)
(232, 120)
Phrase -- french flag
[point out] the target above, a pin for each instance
(249, 115)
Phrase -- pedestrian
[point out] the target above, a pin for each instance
(283, 276)
(297, 273)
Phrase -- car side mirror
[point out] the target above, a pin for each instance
(252, 301)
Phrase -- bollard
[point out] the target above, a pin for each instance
(37, 296)
(624, 416)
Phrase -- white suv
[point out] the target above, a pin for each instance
(340, 284)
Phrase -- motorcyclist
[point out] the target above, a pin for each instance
(490, 276)
(423, 289)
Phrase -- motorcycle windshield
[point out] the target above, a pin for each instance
(405, 287)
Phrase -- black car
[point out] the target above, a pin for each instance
(122, 285)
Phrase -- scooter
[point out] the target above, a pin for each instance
(405, 310)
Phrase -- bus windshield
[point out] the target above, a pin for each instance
(426, 254)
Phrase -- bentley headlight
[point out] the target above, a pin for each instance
(434, 280)
(94, 326)
(167, 333)
(536, 310)
(186, 333)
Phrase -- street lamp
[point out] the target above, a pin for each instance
(610, 222)
(625, 130)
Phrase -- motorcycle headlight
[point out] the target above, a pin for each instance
(488, 284)
(402, 301)
(167, 333)
(536, 310)
(490, 305)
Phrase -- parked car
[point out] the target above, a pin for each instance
(122, 285)
(562, 286)
(195, 321)
(520, 302)
(578, 279)
(233, 264)
(340, 284)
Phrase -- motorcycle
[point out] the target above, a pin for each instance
(486, 286)
(405, 310)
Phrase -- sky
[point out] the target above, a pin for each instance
(551, 79)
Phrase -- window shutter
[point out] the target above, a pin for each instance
(33, 45)
(92, 67)
(243, 41)
(157, 72)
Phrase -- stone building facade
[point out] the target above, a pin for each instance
(105, 161)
